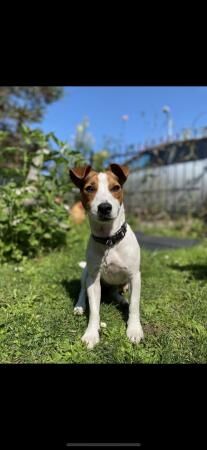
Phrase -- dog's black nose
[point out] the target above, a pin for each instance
(104, 208)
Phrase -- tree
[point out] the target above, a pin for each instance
(25, 104)
(112, 145)
(20, 105)
(100, 159)
(84, 141)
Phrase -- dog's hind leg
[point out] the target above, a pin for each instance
(118, 295)
(124, 288)
(118, 298)
(81, 303)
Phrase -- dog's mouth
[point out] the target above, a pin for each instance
(104, 218)
(97, 216)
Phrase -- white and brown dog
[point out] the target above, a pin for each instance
(113, 253)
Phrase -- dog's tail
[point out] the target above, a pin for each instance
(82, 264)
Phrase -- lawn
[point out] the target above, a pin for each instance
(37, 324)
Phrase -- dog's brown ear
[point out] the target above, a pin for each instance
(121, 172)
(78, 174)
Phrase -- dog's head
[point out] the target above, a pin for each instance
(101, 193)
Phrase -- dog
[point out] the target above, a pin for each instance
(113, 252)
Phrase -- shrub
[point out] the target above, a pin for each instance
(34, 203)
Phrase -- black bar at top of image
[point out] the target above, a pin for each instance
(104, 444)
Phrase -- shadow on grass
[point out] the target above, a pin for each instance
(72, 288)
(197, 271)
(107, 298)
(124, 311)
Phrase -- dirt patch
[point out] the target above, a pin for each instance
(153, 329)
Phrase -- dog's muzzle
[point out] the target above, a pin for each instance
(104, 210)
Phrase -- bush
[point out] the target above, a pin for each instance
(34, 203)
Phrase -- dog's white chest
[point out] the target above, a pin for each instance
(113, 269)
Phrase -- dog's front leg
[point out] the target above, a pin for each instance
(134, 328)
(91, 336)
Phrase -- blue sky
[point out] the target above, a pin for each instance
(104, 106)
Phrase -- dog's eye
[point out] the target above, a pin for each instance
(115, 188)
(90, 189)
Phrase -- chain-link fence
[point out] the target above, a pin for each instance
(170, 177)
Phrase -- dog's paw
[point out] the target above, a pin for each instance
(78, 310)
(135, 333)
(125, 288)
(90, 338)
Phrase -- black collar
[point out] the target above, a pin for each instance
(111, 240)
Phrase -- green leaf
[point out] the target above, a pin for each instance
(47, 235)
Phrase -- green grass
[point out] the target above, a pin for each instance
(182, 227)
(37, 324)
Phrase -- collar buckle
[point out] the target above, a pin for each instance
(109, 243)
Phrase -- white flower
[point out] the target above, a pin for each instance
(82, 264)
(16, 221)
(18, 191)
